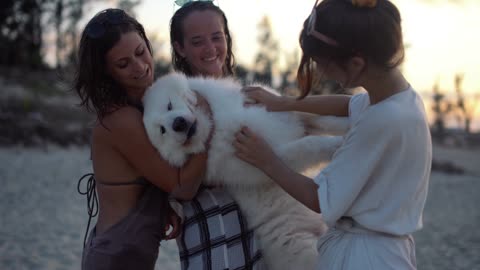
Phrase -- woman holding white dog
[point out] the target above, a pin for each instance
(373, 192)
(215, 233)
(114, 69)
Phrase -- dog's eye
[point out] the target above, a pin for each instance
(162, 129)
(169, 106)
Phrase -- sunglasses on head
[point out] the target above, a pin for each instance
(182, 3)
(98, 26)
(312, 19)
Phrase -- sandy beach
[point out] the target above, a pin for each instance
(43, 218)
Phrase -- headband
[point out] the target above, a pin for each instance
(364, 3)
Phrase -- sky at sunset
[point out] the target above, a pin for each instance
(442, 35)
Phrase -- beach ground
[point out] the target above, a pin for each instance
(43, 218)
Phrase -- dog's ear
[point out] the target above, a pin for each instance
(190, 97)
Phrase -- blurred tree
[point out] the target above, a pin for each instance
(241, 73)
(58, 19)
(6, 35)
(21, 33)
(22, 23)
(129, 6)
(288, 76)
(66, 16)
(161, 60)
(441, 108)
(267, 55)
(162, 67)
(465, 106)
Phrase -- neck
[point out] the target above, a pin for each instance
(385, 84)
(136, 95)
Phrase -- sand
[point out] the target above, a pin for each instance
(43, 218)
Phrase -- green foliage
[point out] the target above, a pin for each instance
(22, 23)
(21, 33)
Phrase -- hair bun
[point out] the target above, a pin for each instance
(364, 3)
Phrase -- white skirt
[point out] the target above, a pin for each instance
(350, 247)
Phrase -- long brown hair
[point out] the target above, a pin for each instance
(177, 35)
(97, 90)
(373, 33)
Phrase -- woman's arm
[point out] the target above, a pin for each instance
(127, 135)
(186, 190)
(336, 105)
(257, 152)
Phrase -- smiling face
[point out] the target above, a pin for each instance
(130, 64)
(204, 45)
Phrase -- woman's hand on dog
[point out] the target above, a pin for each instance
(255, 150)
(258, 95)
(173, 226)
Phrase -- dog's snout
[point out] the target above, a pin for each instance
(180, 124)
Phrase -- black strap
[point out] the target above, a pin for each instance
(92, 200)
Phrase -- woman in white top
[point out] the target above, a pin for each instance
(373, 192)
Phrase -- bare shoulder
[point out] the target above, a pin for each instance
(123, 117)
(122, 130)
(117, 122)
(123, 133)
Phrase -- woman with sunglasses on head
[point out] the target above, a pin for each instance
(114, 69)
(215, 233)
(373, 192)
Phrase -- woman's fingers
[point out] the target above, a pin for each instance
(247, 132)
(244, 145)
(250, 101)
(240, 147)
(175, 224)
(251, 89)
(241, 136)
(253, 95)
(244, 157)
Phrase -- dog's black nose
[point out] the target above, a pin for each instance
(180, 124)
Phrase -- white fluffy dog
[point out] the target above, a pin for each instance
(287, 230)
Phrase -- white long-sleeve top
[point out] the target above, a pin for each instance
(379, 176)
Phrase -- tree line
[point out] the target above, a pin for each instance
(460, 107)
(24, 22)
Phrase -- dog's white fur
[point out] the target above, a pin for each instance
(286, 229)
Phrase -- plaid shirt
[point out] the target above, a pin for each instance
(215, 235)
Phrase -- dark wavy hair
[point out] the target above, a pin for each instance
(177, 35)
(97, 90)
(373, 33)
